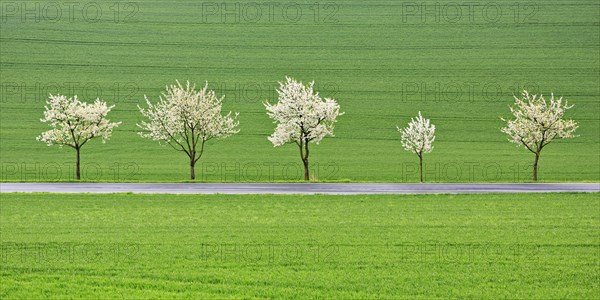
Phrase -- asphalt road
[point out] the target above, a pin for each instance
(298, 188)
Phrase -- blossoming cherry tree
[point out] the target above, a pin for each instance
(186, 119)
(537, 123)
(418, 138)
(74, 123)
(302, 117)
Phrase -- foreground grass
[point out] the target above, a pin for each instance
(382, 65)
(223, 246)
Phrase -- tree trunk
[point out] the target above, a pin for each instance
(305, 159)
(192, 167)
(421, 167)
(77, 165)
(303, 146)
(306, 176)
(535, 167)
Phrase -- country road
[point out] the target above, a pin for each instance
(297, 188)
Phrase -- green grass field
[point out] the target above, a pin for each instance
(381, 60)
(394, 246)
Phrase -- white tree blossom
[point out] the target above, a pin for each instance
(302, 117)
(186, 119)
(74, 123)
(418, 138)
(537, 123)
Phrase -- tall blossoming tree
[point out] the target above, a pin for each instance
(418, 138)
(537, 123)
(186, 119)
(74, 123)
(302, 117)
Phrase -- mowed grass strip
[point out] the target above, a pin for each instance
(313, 246)
(382, 63)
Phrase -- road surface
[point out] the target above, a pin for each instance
(298, 188)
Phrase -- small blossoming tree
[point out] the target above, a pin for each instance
(418, 138)
(74, 123)
(537, 123)
(302, 117)
(186, 119)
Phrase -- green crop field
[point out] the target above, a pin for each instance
(458, 63)
(517, 246)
